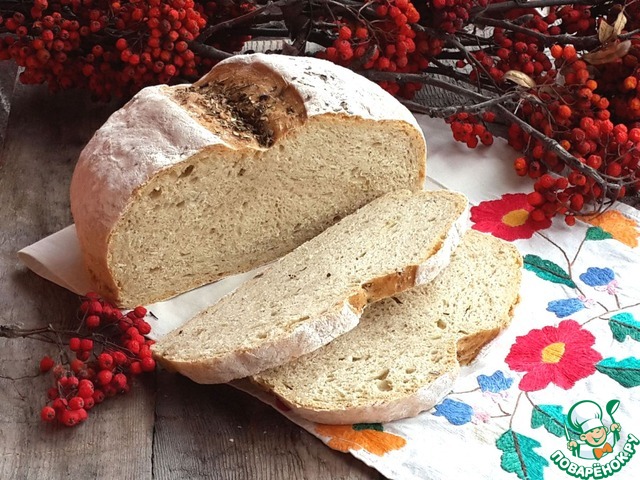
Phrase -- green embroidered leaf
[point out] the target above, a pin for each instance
(368, 426)
(596, 233)
(624, 324)
(626, 372)
(550, 417)
(547, 270)
(519, 457)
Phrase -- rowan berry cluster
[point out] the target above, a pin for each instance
(471, 129)
(579, 119)
(111, 47)
(387, 42)
(590, 109)
(451, 15)
(99, 364)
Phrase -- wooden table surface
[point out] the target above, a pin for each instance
(165, 428)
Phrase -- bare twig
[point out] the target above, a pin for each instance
(444, 112)
(208, 51)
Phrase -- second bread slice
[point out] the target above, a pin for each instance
(318, 291)
(405, 354)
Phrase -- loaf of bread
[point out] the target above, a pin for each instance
(188, 184)
(405, 354)
(318, 291)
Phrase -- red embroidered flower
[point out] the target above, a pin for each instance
(507, 218)
(560, 355)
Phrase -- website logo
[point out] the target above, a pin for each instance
(591, 440)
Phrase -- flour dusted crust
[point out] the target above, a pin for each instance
(156, 131)
(147, 135)
(307, 337)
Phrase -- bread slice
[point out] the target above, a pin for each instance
(405, 354)
(187, 184)
(318, 291)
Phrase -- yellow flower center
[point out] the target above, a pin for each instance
(553, 353)
(515, 218)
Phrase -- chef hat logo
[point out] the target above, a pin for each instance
(585, 415)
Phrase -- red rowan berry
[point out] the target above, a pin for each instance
(52, 393)
(119, 358)
(98, 396)
(569, 52)
(564, 111)
(92, 321)
(76, 365)
(537, 215)
(85, 391)
(76, 403)
(147, 364)
(594, 161)
(119, 380)
(121, 44)
(89, 403)
(614, 169)
(362, 33)
(48, 414)
(535, 199)
(74, 344)
(344, 33)
(105, 361)
(46, 363)
(69, 418)
(104, 377)
(135, 368)
(83, 355)
(58, 371)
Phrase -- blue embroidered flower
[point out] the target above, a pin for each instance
(598, 277)
(565, 307)
(458, 413)
(494, 383)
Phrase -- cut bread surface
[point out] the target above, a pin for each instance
(405, 354)
(318, 291)
(188, 184)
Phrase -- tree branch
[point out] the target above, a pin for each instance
(509, 5)
(444, 112)
(208, 51)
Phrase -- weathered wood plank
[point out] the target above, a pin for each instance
(217, 432)
(8, 75)
(44, 136)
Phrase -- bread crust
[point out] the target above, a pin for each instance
(409, 406)
(316, 332)
(117, 161)
(461, 348)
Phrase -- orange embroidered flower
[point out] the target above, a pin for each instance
(368, 436)
(619, 226)
(507, 218)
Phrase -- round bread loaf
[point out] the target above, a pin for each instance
(187, 184)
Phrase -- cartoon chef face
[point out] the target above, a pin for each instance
(586, 417)
(595, 437)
